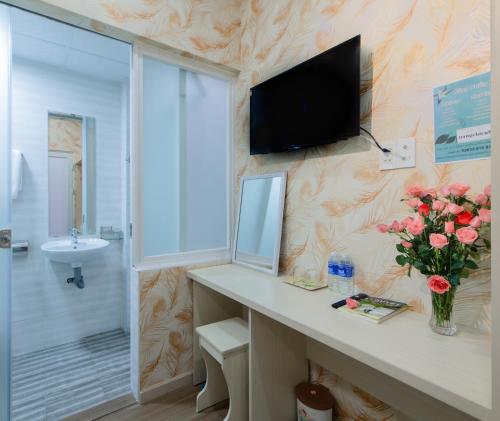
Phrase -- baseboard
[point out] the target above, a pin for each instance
(102, 409)
(165, 387)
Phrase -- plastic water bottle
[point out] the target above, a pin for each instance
(341, 274)
(333, 269)
(345, 276)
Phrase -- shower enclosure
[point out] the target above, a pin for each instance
(64, 117)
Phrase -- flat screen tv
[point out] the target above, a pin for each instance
(313, 103)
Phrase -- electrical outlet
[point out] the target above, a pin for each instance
(387, 160)
(401, 155)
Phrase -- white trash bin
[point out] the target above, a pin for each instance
(314, 402)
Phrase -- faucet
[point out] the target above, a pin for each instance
(73, 232)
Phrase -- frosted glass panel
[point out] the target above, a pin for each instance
(185, 160)
(161, 158)
(205, 163)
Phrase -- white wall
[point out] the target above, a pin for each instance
(46, 310)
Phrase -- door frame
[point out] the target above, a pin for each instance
(5, 214)
(68, 156)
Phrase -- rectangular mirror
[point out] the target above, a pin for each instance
(71, 174)
(260, 217)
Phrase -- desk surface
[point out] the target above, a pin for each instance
(455, 370)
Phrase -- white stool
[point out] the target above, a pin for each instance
(224, 348)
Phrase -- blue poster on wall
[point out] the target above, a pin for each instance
(462, 125)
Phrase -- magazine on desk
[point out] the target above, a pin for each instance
(374, 309)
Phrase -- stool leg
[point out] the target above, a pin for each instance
(235, 368)
(215, 389)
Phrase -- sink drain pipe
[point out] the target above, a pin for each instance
(77, 278)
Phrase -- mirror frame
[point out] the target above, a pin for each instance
(279, 223)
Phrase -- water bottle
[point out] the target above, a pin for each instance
(333, 268)
(341, 274)
(345, 276)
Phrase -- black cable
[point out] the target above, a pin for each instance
(385, 150)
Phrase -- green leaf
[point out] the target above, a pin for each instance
(471, 264)
(401, 260)
(457, 265)
(424, 248)
(400, 248)
(454, 279)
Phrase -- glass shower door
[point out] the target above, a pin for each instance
(5, 200)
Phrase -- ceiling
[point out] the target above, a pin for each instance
(69, 48)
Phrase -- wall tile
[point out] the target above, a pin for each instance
(39, 289)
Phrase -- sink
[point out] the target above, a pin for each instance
(64, 251)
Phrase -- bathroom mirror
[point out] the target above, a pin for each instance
(71, 174)
(260, 216)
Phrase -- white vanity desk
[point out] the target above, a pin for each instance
(419, 373)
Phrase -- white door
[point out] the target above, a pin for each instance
(60, 193)
(5, 200)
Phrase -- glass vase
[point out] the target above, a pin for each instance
(442, 320)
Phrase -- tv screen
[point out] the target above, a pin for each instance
(313, 103)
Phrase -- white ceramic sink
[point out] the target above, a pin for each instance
(64, 251)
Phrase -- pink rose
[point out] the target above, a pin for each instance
(414, 202)
(482, 199)
(458, 189)
(455, 209)
(396, 226)
(415, 190)
(438, 205)
(438, 284)
(487, 190)
(383, 228)
(445, 190)
(485, 215)
(351, 303)
(405, 221)
(475, 222)
(449, 227)
(407, 244)
(416, 226)
(467, 235)
(438, 241)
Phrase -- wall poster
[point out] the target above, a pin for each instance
(462, 125)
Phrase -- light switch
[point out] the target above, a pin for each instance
(401, 155)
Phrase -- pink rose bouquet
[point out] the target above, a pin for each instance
(443, 239)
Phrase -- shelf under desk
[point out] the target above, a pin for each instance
(454, 370)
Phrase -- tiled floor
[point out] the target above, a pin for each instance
(59, 381)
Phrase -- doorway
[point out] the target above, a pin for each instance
(68, 348)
